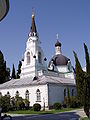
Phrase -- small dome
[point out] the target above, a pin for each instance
(59, 60)
(58, 44)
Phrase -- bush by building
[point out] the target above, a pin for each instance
(5, 103)
(74, 102)
(36, 107)
(57, 106)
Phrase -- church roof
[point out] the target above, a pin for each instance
(29, 81)
(59, 59)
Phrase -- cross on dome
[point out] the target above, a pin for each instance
(57, 36)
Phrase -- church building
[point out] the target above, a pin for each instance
(39, 82)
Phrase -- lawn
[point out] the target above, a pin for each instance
(85, 118)
(40, 112)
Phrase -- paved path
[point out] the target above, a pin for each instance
(60, 116)
(72, 115)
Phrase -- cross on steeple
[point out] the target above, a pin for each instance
(57, 36)
(32, 11)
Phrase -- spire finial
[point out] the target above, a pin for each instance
(32, 12)
(57, 36)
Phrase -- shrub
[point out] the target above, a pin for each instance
(5, 103)
(19, 103)
(26, 102)
(74, 102)
(64, 105)
(36, 107)
(57, 106)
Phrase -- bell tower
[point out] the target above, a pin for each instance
(33, 60)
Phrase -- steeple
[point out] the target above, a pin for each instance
(33, 62)
(58, 46)
(33, 30)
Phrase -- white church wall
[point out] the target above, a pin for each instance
(63, 68)
(69, 75)
(56, 93)
(32, 93)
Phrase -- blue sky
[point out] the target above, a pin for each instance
(69, 18)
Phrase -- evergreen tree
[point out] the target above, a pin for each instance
(87, 94)
(68, 98)
(83, 81)
(13, 73)
(3, 70)
(7, 74)
(19, 70)
(79, 77)
(87, 59)
(87, 78)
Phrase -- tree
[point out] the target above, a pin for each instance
(87, 95)
(19, 70)
(19, 103)
(5, 103)
(83, 81)
(13, 73)
(68, 98)
(4, 76)
(87, 59)
(87, 78)
(79, 77)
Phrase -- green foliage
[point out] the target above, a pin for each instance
(36, 107)
(5, 103)
(19, 103)
(68, 97)
(79, 76)
(87, 94)
(19, 70)
(83, 81)
(87, 82)
(74, 102)
(13, 73)
(87, 59)
(4, 75)
(26, 102)
(57, 105)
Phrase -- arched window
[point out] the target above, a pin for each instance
(64, 93)
(17, 93)
(8, 94)
(39, 57)
(28, 58)
(38, 95)
(72, 92)
(0, 94)
(27, 95)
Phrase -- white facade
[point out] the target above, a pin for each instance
(32, 93)
(45, 85)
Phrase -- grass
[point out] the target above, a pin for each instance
(40, 112)
(85, 118)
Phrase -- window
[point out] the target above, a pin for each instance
(39, 57)
(17, 93)
(38, 95)
(8, 94)
(27, 95)
(28, 58)
(72, 92)
(64, 93)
